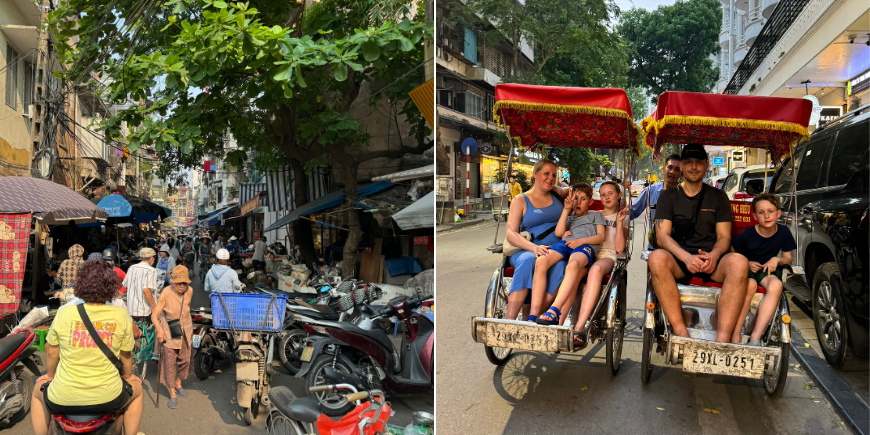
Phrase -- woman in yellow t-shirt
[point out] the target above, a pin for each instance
(81, 378)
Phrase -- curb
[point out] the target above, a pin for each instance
(855, 414)
(458, 225)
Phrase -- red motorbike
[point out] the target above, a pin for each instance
(349, 349)
(16, 383)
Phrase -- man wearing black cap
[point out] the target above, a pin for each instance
(693, 228)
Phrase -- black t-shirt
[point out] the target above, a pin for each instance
(760, 249)
(675, 206)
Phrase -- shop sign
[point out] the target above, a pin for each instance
(250, 205)
(829, 113)
(858, 84)
(256, 234)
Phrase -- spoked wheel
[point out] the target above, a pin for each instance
(278, 424)
(143, 350)
(289, 344)
(331, 403)
(615, 335)
(203, 363)
(646, 366)
(499, 303)
(774, 382)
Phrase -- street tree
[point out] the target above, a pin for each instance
(281, 78)
(671, 47)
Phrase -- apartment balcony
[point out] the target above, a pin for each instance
(724, 37)
(743, 5)
(767, 7)
(739, 54)
(482, 74)
(721, 84)
(754, 25)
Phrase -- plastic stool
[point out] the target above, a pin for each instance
(41, 344)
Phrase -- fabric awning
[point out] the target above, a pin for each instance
(410, 174)
(328, 201)
(420, 214)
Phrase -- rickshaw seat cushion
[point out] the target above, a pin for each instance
(699, 282)
(509, 272)
(596, 205)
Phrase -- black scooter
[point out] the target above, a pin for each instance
(16, 383)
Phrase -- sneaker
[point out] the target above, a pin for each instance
(155, 357)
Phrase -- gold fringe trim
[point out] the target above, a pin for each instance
(729, 122)
(569, 109)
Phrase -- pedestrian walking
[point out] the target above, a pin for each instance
(68, 270)
(259, 259)
(175, 332)
(141, 283)
(166, 263)
(221, 277)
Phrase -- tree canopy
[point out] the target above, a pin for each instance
(670, 48)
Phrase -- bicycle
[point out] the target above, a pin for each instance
(143, 347)
(204, 264)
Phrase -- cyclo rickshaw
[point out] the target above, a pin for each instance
(774, 124)
(570, 117)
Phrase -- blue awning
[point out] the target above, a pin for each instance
(328, 201)
(217, 216)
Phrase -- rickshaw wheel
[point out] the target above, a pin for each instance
(497, 355)
(775, 383)
(646, 357)
(615, 335)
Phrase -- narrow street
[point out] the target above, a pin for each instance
(537, 393)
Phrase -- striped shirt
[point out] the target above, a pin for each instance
(139, 277)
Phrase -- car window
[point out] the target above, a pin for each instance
(753, 178)
(811, 166)
(852, 143)
(731, 182)
(786, 176)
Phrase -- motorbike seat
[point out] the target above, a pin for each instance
(319, 315)
(10, 344)
(83, 418)
(304, 409)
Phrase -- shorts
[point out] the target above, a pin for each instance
(258, 265)
(103, 408)
(606, 253)
(688, 275)
(761, 274)
(566, 252)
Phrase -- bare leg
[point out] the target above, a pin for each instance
(665, 272)
(574, 271)
(569, 302)
(751, 287)
(516, 301)
(133, 414)
(39, 415)
(767, 306)
(732, 272)
(600, 268)
(539, 280)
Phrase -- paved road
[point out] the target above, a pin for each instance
(211, 407)
(536, 393)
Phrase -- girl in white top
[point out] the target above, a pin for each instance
(614, 241)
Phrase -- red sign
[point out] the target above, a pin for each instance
(256, 234)
(208, 166)
(421, 240)
(741, 216)
(250, 206)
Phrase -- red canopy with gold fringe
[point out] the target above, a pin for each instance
(574, 117)
(776, 124)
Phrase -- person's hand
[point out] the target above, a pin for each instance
(694, 263)
(566, 235)
(541, 250)
(771, 265)
(711, 259)
(57, 295)
(755, 266)
(574, 243)
(569, 202)
(44, 378)
(161, 337)
(623, 212)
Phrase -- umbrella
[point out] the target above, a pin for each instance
(127, 208)
(417, 215)
(51, 203)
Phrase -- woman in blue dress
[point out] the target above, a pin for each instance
(537, 213)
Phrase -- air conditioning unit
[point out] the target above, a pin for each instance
(448, 57)
(28, 110)
(445, 41)
(437, 51)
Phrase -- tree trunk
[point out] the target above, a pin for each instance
(442, 159)
(302, 234)
(355, 235)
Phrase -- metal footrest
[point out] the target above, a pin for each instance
(698, 355)
(515, 334)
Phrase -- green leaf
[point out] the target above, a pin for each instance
(371, 51)
(171, 81)
(299, 78)
(166, 138)
(248, 46)
(340, 72)
(133, 145)
(356, 67)
(219, 4)
(405, 44)
(187, 147)
(283, 74)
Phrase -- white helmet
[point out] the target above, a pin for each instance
(223, 254)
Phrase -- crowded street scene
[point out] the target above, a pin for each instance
(652, 217)
(216, 217)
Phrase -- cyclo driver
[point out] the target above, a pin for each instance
(693, 241)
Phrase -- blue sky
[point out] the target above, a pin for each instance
(645, 4)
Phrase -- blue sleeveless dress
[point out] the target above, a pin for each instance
(536, 221)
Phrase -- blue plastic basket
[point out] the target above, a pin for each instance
(248, 310)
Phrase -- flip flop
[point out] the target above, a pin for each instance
(173, 403)
(181, 392)
(580, 340)
(547, 319)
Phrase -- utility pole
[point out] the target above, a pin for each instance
(39, 91)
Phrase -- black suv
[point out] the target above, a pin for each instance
(831, 262)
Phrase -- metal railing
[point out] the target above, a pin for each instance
(726, 25)
(754, 15)
(741, 41)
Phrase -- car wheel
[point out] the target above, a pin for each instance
(829, 314)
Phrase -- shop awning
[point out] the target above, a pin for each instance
(410, 174)
(328, 201)
(214, 216)
(420, 214)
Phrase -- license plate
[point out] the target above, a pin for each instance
(520, 335)
(720, 359)
(306, 354)
(196, 340)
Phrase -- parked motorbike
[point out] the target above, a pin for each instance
(254, 372)
(212, 345)
(16, 383)
(347, 348)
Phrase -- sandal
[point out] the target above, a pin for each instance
(547, 319)
(580, 340)
(531, 318)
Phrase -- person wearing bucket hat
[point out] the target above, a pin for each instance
(166, 263)
(175, 332)
(222, 278)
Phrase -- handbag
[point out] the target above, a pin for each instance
(98, 340)
(175, 330)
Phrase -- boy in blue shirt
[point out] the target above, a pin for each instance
(761, 245)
